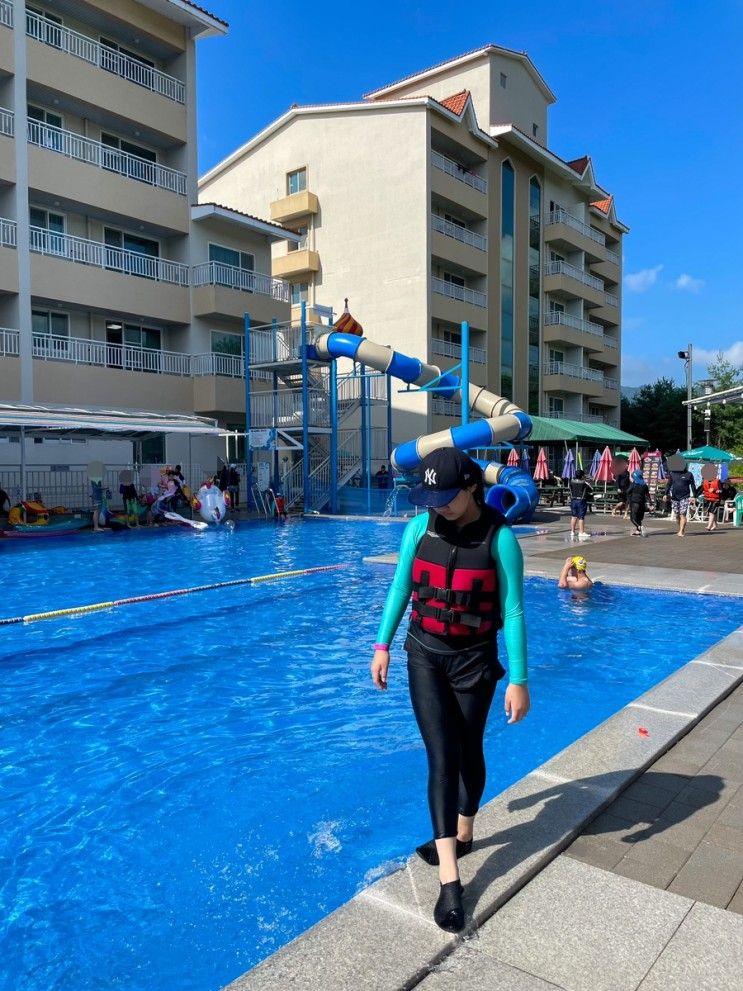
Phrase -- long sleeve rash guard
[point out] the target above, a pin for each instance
(509, 563)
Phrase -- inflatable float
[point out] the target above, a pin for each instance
(211, 503)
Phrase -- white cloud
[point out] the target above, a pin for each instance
(641, 370)
(702, 357)
(688, 283)
(642, 281)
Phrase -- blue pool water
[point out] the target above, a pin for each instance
(187, 784)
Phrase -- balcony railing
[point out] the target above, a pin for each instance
(612, 256)
(8, 233)
(232, 277)
(85, 48)
(573, 371)
(611, 299)
(445, 407)
(82, 149)
(564, 268)
(85, 252)
(7, 121)
(558, 318)
(6, 13)
(284, 409)
(453, 168)
(83, 351)
(462, 234)
(563, 217)
(10, 342)
(454, 291)
(580, 417)
(449, 349)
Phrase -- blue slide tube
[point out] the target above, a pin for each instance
(512, 491)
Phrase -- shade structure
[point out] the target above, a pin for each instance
(346, 324)
(707, 453)
(604, 472)
(634, 460)
(568, 465)
(513, 458)
(595, 464)
(541, 468)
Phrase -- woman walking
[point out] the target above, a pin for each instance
(638, 503)
(464, 569)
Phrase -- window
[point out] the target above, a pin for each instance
(556, 406)
(555, 256)
(131, 253)
(302, 231)
(119, 159)
(40, 122)
(232, 268)
(126, 63)
(48, 235)
(51, 332)
(535, 265)
(594, 410)
(503, 79)
(454, 280)
(556, 355)
(225, 343)
(299, 293)
(296, 181)
(133, 346)
(556, 307)
(534, 130)
(455, 220)
(44, 26)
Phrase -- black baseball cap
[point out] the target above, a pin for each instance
(444, 473)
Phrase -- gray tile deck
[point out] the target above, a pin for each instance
(618, 864)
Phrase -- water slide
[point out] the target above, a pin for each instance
(512, 491)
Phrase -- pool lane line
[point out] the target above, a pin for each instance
(97, 606)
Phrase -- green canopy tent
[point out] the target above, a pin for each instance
(707, 453)
(547, 430)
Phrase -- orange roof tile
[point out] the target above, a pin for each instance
(457, 102)
(604, 205)
(580, 165)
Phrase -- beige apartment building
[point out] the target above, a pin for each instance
(116, 287)
(434, 200)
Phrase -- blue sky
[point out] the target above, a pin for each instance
(651, 90)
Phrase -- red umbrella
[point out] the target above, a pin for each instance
(634, 460)
(513, 458)
(604, 473)
(541, 468)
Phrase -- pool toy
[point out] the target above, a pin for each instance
(182, 521)
(512, 491)
(211, 503)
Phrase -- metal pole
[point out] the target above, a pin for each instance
(333, 437)
(465, 384)
(688, 397)
(276, 476)
(389, 420)
(305, 411)
(248, 453)
(365, 480)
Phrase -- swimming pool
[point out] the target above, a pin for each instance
(186, 785)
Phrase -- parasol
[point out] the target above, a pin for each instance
(541, 468)
(513, 458)
(568, 465)
(595, 464)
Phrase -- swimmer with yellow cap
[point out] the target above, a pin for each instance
(574, 574)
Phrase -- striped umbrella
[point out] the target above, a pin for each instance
(541, 468)
(595, 464)
(568, 465)
(513, 458)
(634, 460)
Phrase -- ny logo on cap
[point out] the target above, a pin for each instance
(430, 476)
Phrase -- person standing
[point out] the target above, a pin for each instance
(233, 486)
(623, 483)
(712, 490)
(463, 566)
(637, 496)
(580, 490)
(680, 486)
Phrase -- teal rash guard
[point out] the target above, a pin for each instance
(509, 564)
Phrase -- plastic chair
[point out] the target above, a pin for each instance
(738, 514)
(728, 510)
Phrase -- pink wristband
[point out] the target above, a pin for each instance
(382, 646)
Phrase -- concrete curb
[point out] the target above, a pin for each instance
(385, 937)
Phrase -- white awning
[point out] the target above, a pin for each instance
(101, 422)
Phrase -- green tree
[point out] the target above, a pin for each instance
(656, 413)
(726, 424)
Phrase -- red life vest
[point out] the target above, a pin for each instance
(712, 490)
(455, 582)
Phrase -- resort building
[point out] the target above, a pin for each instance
(116, 288)
(437, 199)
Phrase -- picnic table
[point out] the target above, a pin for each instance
(549, 494)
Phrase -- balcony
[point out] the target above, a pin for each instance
(565, 280)
(8, 257)
(563, 218)
(7, 148)
(7, 120)
(461, 293)
(458, 172)
(461, 234)
(294, 206)
(295, 264)
(102, 156)
(573, 330)
(573, 371)
(85, 48)
(8, 233)
(10, 342)
(6, 13)
(449, 349)
(228, 291)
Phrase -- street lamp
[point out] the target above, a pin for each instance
(686, 357)
(708, 385)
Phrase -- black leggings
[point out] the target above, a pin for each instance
(637, 513)
(451, 697)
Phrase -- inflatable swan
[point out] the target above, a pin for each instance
(211, 503)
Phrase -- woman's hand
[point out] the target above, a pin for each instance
(517, 702)
(379, 665)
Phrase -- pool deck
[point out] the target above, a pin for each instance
(616, 865)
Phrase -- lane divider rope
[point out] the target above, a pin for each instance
(153, 596)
